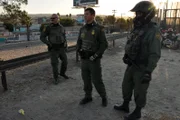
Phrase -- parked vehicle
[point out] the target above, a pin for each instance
(170, 39)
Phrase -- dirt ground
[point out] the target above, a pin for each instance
(31, 89)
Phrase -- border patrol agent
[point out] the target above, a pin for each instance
(91, 45)
(142, 52)
(57, 44)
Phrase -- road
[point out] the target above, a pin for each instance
(31, 89)
(25, 44)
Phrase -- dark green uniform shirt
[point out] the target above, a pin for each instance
(56, 32)
(153, 47)
(144, 47)
(92, 38)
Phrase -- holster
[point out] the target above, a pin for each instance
(49, 48)
(57, 46)
(127, 60)
(85, 54)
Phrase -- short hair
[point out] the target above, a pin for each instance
(54, 14)
(91, 10)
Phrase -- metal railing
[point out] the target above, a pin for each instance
(26, 60)
(22, 61)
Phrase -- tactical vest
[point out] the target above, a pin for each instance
(89, 39)
(133, 45)
(56, 35)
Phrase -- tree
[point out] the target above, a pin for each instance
(122, 23)
(14, 15)
(12, 11)
(8, 26)
(130, 23)
(109, 20)
(21, 1)
(99, 19)
(26, 20)
(59, 15)
(67, 21)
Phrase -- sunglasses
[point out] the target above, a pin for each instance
(53, 18)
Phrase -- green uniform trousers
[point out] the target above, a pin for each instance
(91, 73)
(55, 55)
(132, 82)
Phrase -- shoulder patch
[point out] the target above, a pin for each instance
(82, 35)
(44, 29)
(158, 36)
(93, 32)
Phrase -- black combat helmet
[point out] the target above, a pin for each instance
(143, 6)
(148, 10)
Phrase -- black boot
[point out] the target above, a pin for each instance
(136, 114)
(56, 81)
(85, 100)
(104, 102)
(124, 107)
(64, 75)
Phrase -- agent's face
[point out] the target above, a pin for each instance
(88, 17)
(139, 14)
(54, 19)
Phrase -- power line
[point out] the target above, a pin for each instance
(114, 11)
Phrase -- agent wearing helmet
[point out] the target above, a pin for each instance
(142, 52)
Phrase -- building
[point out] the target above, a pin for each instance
(3, 33)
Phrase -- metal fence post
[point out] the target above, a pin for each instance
(77, 56)
(3, 78)
(113, 43)
(113, 40)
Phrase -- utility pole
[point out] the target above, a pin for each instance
(121, 24)
(114, 11)
(174, 26)
(165, 13)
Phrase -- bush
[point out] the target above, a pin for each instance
(67, 22)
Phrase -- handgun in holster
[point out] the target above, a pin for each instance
(85, 54)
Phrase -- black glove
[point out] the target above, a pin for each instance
(81, 53)
(146, 78)
(65, 45)
(126, 60)
(93, 57)
(49, 47)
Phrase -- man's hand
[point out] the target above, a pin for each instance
(65, 45)
(49, 47)
(146, 78)
(81, 53)
(94, 57)
(126, 60)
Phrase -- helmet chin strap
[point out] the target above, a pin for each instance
(140, 21)
(148, 14)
